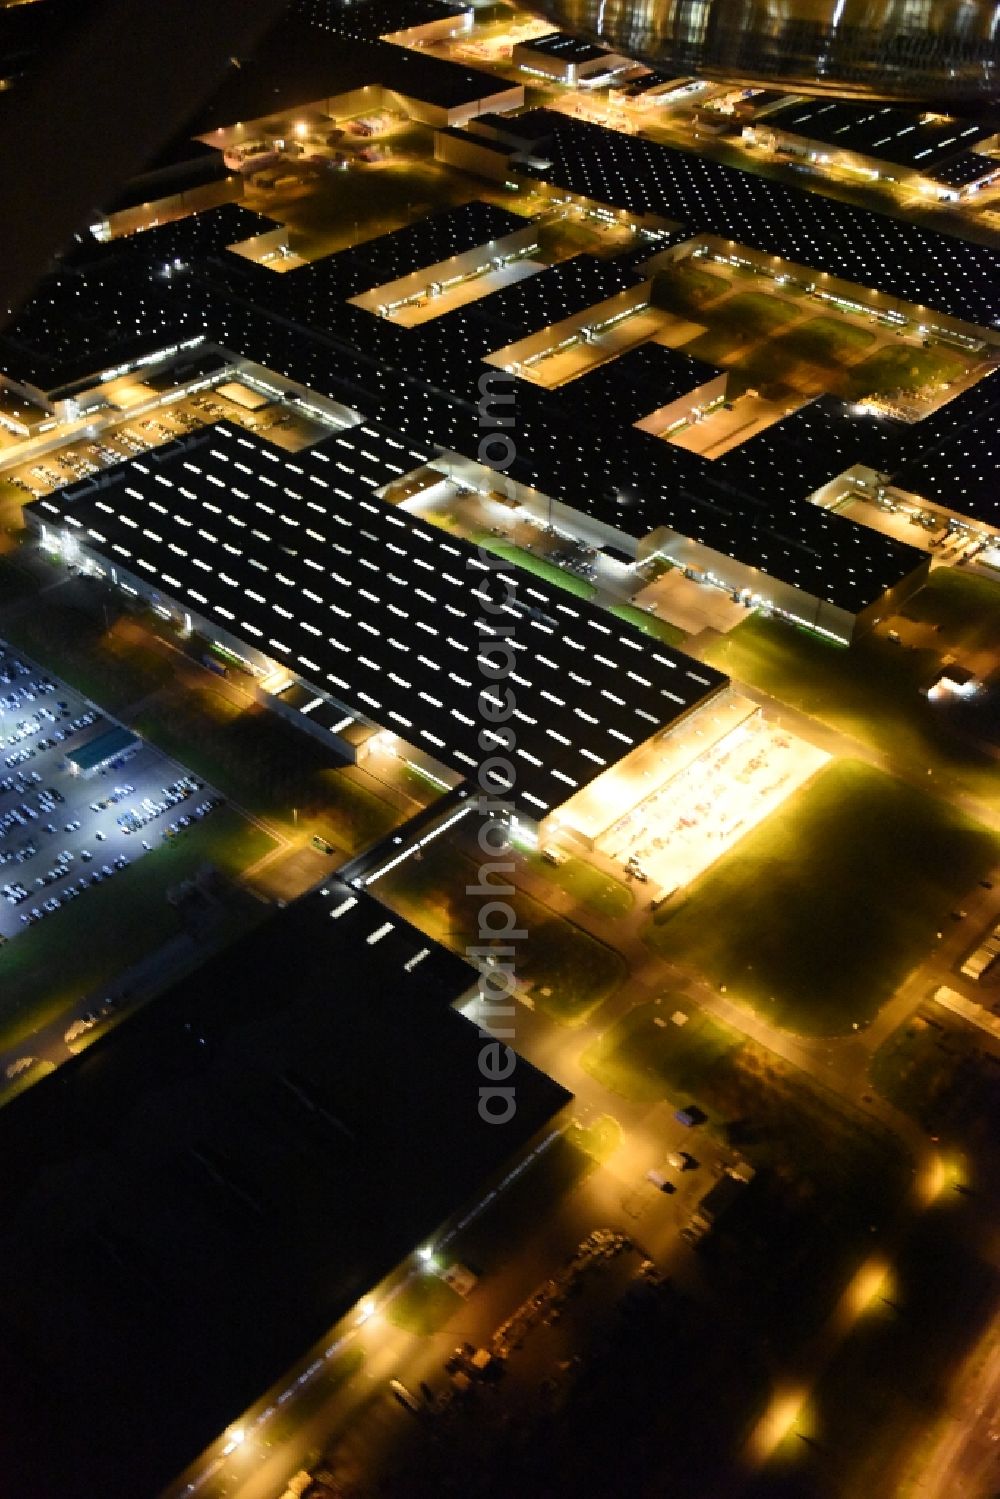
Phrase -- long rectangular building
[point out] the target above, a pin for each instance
(299, 564)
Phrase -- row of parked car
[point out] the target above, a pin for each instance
(24, 815)
(27, 727)
(25, 693)
(136, 818)
(73, 890)
(21, 783)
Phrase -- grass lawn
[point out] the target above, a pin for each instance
(599, 1140)
(902, 367)
(423, 1306)
(870, 691)
(685, 289)
(964, 604)
(561, 238)
(751, 1097)
(649, 624)
(365, 202)
(655, 566)
(265, 764)
(939, 1071)
(643, 1060)
(549, 572)
(593, 888)
(718, 346)
(51, 966)
(755, 313)
(818, 914)
(825, 340)
(15, 581)
(556, 956)
(109, 665)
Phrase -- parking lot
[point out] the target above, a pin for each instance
(62, 834)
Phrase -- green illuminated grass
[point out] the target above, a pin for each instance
(964, 605)
(593, 888)
(365, 201)
(52, 965)
(825, 1174)
(599, 1140)
(870, 692)
(684, 289)
(819, 913)
(424, 1306)
(556, 956)
(649, 624)
(527, 562)
(902, 367)
(757, 314)
(112, 666)
(823, 340)
(936, 1069)
(265, 764)
(643, 1060)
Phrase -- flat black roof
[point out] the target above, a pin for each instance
(576, 443)
(905, 137)
(375, 18)
(569, 49)
(516, 128)
(191, 1204)
(957, 467)
(907, 261)
(376, 608)
(471, 138)
(298, 63)
(962, 171)
(110, 304)
(168, 180)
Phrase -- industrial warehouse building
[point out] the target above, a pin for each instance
(944, 157)
(193, 1204)
(302, 571)
(570, 60)
(742, 521)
